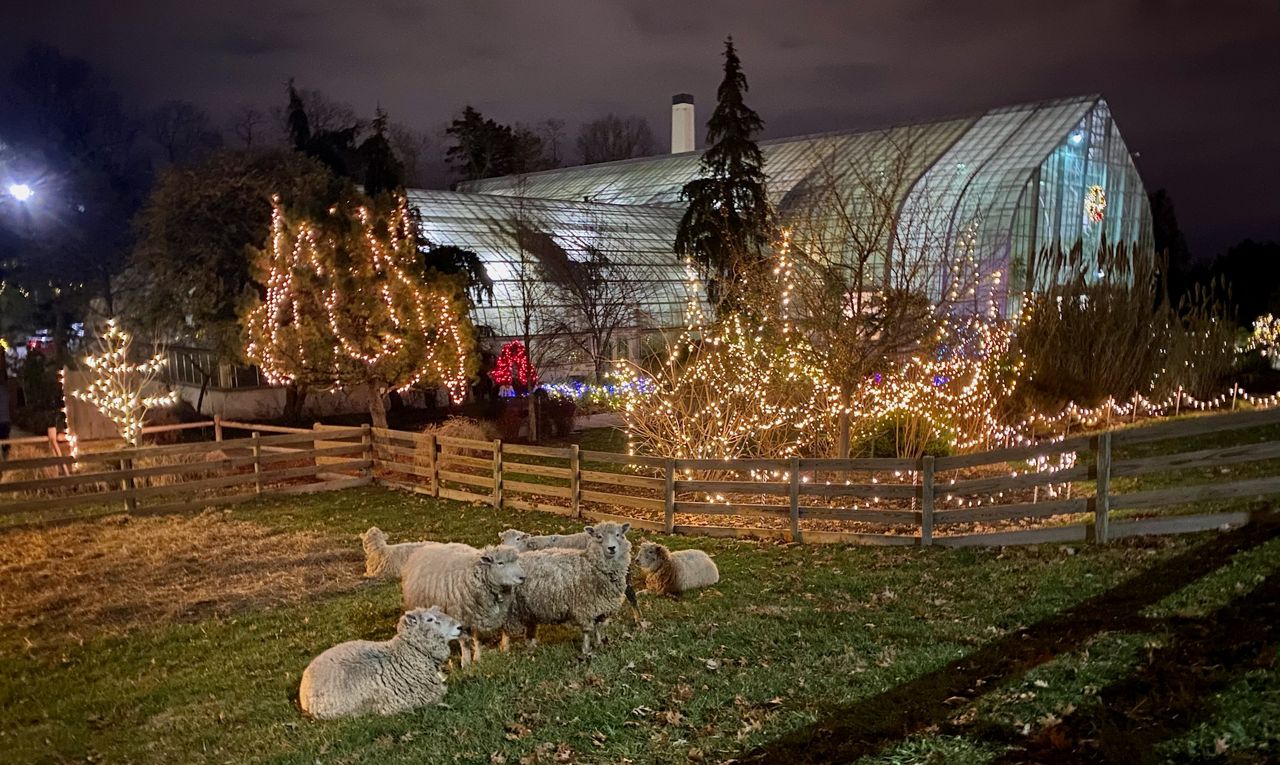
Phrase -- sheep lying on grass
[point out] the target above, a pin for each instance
(671, 573)
(382, 560)
(578, 587)
(523, 542)
(362, 677)
(476, 587)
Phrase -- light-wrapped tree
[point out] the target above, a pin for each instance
(347, 305)
(742, 386)
(118, 387)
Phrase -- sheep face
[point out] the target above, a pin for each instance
(610, 538)
(650, 556)
(430, 620)
(502, 565)
(515, 538)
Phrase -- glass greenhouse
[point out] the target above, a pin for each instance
(991, 192)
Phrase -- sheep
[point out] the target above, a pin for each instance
(524, 542)
(362, 676)
(579, 587)
(671, 573)
(474, 586)
(382, 560)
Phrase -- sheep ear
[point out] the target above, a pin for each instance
(486, 559)
(410, 619)
(626, 527)
(591, 530)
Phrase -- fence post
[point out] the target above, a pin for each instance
(57, 451)
(366, 451)
(795, 501)
(127, 484)
(257, 462)
(575, 482)
(1102, 502)
(433, 466)
(926, 500)
(217, 427)
(669, 497)
(497, 473)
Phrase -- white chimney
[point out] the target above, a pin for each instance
(682, 131)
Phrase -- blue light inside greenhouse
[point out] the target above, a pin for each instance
(1077, 137)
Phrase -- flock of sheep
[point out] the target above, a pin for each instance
(456, 592)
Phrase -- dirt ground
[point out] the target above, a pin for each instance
(116, 573)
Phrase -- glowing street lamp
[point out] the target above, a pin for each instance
(20, 191)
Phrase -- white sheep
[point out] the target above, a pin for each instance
(362, 676)
(578, 587)
(476, 587)
(525, 542)
(384, 561)
(671, 573)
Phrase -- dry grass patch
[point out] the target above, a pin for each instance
(117, 573)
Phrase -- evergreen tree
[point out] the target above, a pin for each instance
(728, 225)
(296, 120)
(383, 171)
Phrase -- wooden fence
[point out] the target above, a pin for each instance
(912, 510)
(190, 475)
(949, 501)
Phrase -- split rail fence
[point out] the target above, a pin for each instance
(900, 501)
(589, 484)
(186, 476)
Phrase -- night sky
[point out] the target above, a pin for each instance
(1194, 85)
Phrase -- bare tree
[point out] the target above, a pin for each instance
(612, 138)
(552, 132)
(880, 264)
(248, 125)
(183, 131)
(596, 301)
(414, 148)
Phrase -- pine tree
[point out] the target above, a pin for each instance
(383, 171)
(728, 226)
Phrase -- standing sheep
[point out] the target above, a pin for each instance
(524, 542)
(382, 560)
(476, 587)
(361, 676)
(578, 587)
(671, 573)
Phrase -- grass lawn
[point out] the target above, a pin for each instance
(168, 641)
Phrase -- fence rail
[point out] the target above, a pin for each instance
(148, 478)
(893, 501)
(797, 492)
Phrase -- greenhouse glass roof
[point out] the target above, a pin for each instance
(994, 189)
(521, 241)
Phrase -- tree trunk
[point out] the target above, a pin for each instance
(377, 409)
(533, 418)
(295, 395)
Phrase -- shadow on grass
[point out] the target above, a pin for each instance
(868, 725)
(1167, 697)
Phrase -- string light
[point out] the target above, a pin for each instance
(117, 387)
(737, 387)
(514, 368)
(1266, 336)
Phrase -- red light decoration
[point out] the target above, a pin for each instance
(514, 368)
